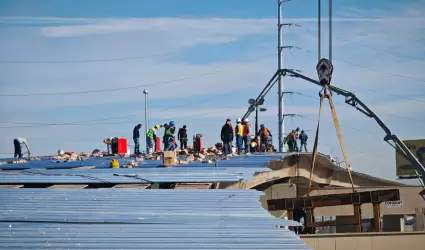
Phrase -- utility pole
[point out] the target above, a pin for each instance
(330, 30)
(145, 91)
(319, 9)
(281, 123)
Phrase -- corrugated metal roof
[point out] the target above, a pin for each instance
(237, 161)
(140, 219)
(131, 176)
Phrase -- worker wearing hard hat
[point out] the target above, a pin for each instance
(239, 134)
(246, 136)
(17, 142)
(169, 137)
(151, 137)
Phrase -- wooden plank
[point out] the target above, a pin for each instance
(133, 186)
(68, 186)
(376, 196)
(10, 186)
(377, 217)
(193, 186)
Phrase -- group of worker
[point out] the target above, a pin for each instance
(243, 133)
(292, 140)
(169, 139)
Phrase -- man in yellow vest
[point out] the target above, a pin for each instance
(239, 134)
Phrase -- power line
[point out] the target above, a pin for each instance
(371, 47)
(89, 122)
(398, 116)
(135, 86)
(104, 59)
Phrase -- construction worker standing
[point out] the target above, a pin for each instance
(182, 137)
(303, 140)
(18, 148)
(227, 137)
(239, 135)
(247, 136)
(264, 134)
(296, 138)
(151, 137)
(169, 138)
(136, 136)
(290, 140)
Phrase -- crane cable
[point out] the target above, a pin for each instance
(326, 93)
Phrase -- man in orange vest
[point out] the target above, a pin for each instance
(247, 136)
(264, 137)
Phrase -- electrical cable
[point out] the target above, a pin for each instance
(118, 117)
(136, 86)
(371, 47)
(370, 68)
(397, 116)
(105, 59)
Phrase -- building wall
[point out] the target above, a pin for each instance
(367, 241)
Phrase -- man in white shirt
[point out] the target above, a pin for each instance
(18, 148)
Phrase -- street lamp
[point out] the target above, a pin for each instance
(145, 92)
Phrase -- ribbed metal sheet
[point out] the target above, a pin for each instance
(140, 219)
(254, 160)
(130, 176)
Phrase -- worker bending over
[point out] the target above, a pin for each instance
(264, 134)
(169, 138)
(227, 137)
(182, 137)
(151, 138)
(239, 134)
(247, 136)
(17, 142)
(136, 136)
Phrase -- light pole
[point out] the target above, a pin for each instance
(145, 92)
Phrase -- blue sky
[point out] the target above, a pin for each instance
(222, 53)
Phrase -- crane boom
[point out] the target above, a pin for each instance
(352, 100)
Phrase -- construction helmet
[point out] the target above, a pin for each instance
(172, 123)
(245, 120)
(238, 120)
(157, 126)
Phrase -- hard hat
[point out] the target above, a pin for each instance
(238, 120)
(157, 126)
(172, 123)
(246, 120)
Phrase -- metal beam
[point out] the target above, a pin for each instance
(308, 202)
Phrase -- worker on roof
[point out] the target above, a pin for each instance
(296, 138)
(17, 143)
(108, 142)
(246, 135)
(303, 139)
(239, 135)
(136, 136)
(169, 138)
(227, 137)
(182, 137)
(290, 140)
(151, 137)
(264, 134)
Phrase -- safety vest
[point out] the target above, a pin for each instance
(239, 129)
(246, 129)
(151, 133)
(265, 132)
